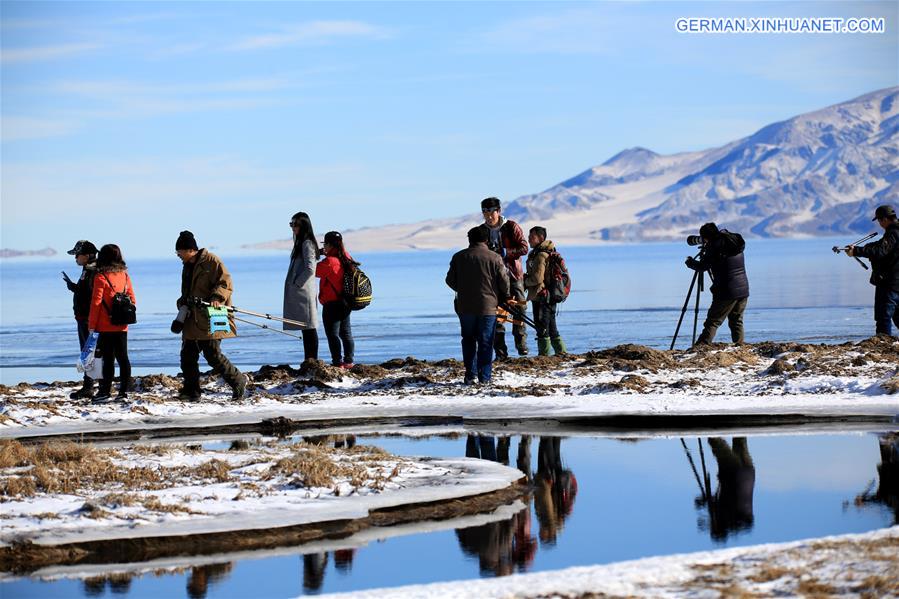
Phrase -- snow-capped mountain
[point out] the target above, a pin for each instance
(820, 173)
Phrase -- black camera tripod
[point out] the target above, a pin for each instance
(698, 275)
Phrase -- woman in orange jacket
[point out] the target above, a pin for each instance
(335, 312)
(112, 344)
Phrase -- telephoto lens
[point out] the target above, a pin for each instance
(694, 240)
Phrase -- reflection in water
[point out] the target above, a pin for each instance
(730, 507)
(314, 565)
(202, 576)
(119, 584)
(503, 547)
(887, 492)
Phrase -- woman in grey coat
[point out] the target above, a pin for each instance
(300, 301)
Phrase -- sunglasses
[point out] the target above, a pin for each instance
(293, 224)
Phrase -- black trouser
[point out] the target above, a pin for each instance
(336, 318)
(310, 344)
(545, 319)
(83, 334)
(212, 351)
(114, 346)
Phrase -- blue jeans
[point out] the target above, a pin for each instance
(336, 319)
(886, 310)
(477, 345)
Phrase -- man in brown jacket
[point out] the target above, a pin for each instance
(548, 337)
(203, 278)
(507, 240)
(479, 278)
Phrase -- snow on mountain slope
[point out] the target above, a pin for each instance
(819, 173)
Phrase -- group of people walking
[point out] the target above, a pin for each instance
(206, 285)
(491, 286)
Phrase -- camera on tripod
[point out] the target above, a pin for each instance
(695, 240)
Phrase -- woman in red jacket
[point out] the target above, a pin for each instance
(112, 344)
(335, 313)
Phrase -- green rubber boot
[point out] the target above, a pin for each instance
(559, 346)
(544, 347)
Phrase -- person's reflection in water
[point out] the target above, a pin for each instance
(730, 508)
(119, 584)
(481, 446)
(343, 560)
(202, 576)
(314, 565)
(502, 450)
(888, 472)
(524, 457)
(555, 490)
(500, 547)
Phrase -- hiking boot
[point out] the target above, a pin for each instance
(86, 391)
(124, 387)
(347, 365)
(559, 346)
(544, 346)
(188, 394)
(521, 346)
(239, 391)
(470, 379)
(103, 395)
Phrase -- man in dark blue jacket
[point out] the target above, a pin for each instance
(85, 254)
(884, 257)
(722, 255)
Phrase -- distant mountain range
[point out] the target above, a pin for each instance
(10, 253)
(820, 173)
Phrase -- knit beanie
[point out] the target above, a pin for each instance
(186, 241)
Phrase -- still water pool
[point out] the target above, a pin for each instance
(592, 500)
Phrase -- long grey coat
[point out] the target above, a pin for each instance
(300, 302)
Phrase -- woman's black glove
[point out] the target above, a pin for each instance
(177, 326)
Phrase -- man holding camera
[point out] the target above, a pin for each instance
(204, 278)
(722, 255)
(506, 238)
(85, 254)
(884, 257)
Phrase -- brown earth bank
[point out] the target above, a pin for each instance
(27, 557)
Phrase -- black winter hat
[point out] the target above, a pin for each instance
(186, 241)
(83, 246)
(709, 231)
(885, 211)
(490, 204)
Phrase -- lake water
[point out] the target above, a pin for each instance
(621, 294)
(593, 500)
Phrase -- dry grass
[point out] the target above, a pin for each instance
(816, 588)
(768, 572)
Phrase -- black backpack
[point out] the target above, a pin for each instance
(356, 288)
(122, 311)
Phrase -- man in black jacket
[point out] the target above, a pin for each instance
(85, 254)
(723, 255)
(884, 257)
(481, 282)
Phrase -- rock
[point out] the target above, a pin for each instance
(780, 366)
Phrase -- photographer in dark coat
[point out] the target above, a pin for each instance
(722, 255)
(884, 257)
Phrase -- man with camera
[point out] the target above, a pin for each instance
(884, 257)
(722, 256)
(204, 281)
(506, 238)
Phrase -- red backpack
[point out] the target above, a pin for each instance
(557, 279)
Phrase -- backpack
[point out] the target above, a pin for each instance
(122, 311)
(356, 288)
(556, 280)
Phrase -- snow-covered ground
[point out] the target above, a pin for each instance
(856, 565)
(72, 493)
(761, 379)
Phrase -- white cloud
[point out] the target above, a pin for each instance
(17, 128)
(312, 33)
(22, 55)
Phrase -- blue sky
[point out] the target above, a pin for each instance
(127, 122)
